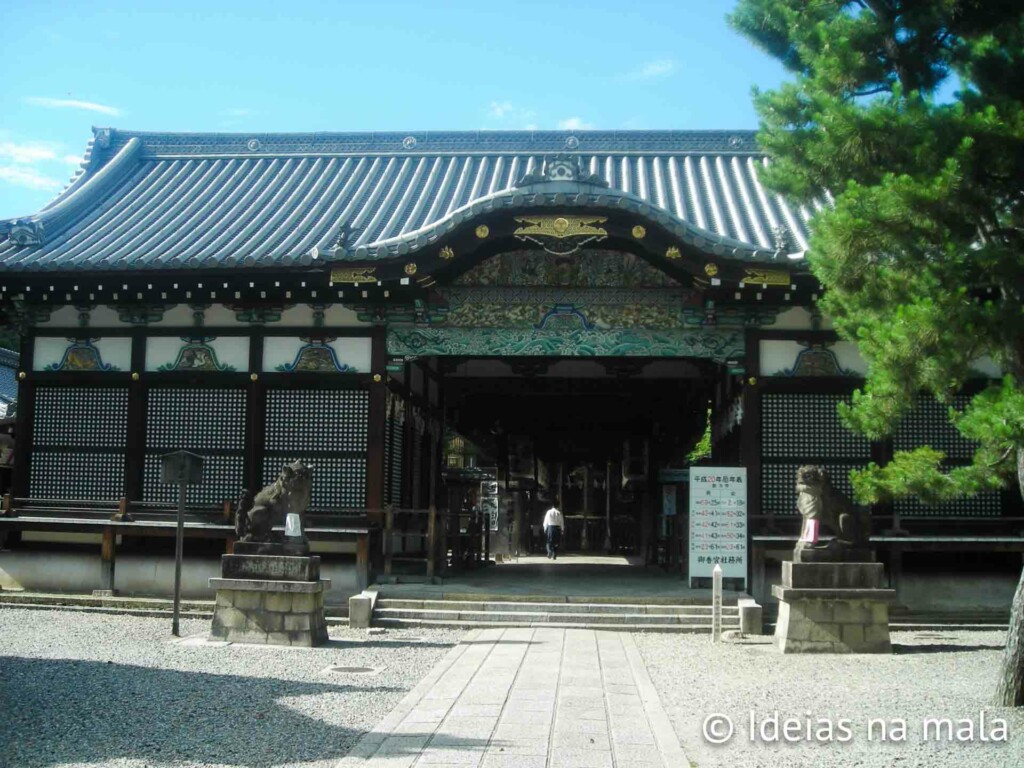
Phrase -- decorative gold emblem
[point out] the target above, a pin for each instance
(410, 268)
(135, 376)
(254, 377)
(21, 375)
(639, 232)
(353, 275)
(710, 269)
(765, 277)
(483, 231)
(561, 227)
(376, 378)
(673, 252)
(447, 253)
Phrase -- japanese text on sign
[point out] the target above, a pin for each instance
(718, 521)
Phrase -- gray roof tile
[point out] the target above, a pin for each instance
(158, 200)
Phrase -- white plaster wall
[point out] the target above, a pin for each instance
(139, 574)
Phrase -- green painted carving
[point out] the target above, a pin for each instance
(730, 317)
(564, 342)
(258, 315)
(590, 268)
(817, 360)
(196, 355)
(82, 355)
(530, 307)
(141, 314)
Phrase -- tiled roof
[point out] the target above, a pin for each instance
(156, 200)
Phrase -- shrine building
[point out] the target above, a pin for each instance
(558, 316)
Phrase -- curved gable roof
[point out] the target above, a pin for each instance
(160, 200)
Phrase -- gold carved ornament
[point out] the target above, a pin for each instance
(447, 253)
(710, 269)
(765, 277)
(410, 268)
(353, 275)
(639, 232)
(673, 253)
(560, 227)
(483, 231)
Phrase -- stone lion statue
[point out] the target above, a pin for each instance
(817, 499)
(256, 517)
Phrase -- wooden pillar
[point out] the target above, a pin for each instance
(608, 509)
(750, 435)
(377, 423)
(108, 559)
(24, 419)
(363, 561)
(584, 535)
(135, 446)
(256, 418)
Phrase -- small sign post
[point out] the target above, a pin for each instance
(185, 469)
(718, 522)
(716, 604)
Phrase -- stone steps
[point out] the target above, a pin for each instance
(407, 612)
(694, 629)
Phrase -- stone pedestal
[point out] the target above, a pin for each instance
(833, 608)
(270, 600)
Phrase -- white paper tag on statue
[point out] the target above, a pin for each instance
(292, 525)
(809, 533)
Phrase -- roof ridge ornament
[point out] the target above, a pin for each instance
(25, 232)
(562, 167)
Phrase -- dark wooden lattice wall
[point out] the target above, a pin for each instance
(801, 429)
(79, 436)
(324, 428)
(209, 422)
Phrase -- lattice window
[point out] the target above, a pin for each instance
(324, 428)
(928, 424)
(209, 422)
(806, 426)
(79, 437)
(799, 429)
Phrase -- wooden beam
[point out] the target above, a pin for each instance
(377, 423)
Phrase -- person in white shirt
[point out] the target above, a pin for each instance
(553, 524)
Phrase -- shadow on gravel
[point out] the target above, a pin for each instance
(943, 648)
(61, 711)
(399, 643)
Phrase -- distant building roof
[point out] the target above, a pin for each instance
(178, 201)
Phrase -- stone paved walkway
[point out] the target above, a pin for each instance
(529, 698)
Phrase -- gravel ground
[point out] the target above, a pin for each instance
(944, 674)
(82, 689)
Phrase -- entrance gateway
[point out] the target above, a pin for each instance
(358, 301)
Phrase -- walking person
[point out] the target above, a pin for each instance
(553, 524)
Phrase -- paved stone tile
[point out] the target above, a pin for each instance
(580, 758)
(528, 698)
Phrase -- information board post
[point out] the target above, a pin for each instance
(718, 522)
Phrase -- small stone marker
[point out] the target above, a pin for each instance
(716, 604)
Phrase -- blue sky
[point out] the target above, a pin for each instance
(259, 66)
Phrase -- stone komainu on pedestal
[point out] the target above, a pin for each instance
(270, 591)
(831, 599)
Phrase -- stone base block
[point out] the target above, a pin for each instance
(276, 567)
(268, 612)
(812, 625)
(833, 608)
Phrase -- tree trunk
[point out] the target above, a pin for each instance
(1010, 687)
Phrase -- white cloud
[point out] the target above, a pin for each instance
(659, 68)
(26, 176)
(74, 160)
(89, 106)
(26, 154)
(574, 124)
(498, 109)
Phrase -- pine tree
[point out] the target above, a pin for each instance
(910, 113)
